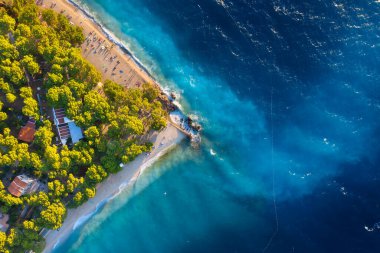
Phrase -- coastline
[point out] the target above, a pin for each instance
(133, 74)
(111, 37)
(131, 65)
(128, 73)
(107, 190)
(127, 69)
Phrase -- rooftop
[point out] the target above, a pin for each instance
(66, 127)
(27, 132)
(22, 185)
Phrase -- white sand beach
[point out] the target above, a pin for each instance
(163, 141)
(114, 64)
(125, 71)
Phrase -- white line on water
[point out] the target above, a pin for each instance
(273, 177)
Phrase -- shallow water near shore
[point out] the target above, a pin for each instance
(288, 95)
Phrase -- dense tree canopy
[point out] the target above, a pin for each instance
(13, 153)
(96, 174)
(7, 24)
(41, 68)
(3, 115)
(44, 135)
(30, 64)
(52, 216)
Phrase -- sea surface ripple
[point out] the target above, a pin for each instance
(288, 93)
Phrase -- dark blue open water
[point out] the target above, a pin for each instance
(288, 92)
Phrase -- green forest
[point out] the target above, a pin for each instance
(41, 68)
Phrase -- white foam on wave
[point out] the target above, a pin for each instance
(157, 156)
(149, 162)
(121, 188)
(212, 152)
(301, 176)
(113, 38)
(56, 244)
(124, 48)
(118, 204)
(81, 220)
(376, 226)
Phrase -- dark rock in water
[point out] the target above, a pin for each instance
(197, 127)
(172, 108)
(167, 103)
(173, 95)
(193, 124)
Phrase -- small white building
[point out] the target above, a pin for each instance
(66, 127)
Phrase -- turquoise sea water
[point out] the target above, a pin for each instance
(288, 95)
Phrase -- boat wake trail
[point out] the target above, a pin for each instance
(376, 226)
(273, 177)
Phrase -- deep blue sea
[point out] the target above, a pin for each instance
(288, 93)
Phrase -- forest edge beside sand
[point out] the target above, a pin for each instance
(133, 71)
(164, 141)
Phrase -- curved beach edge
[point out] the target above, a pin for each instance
(115, 183)
(113, 38)
(125, 55)
(163, 142)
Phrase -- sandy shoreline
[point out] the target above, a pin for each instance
(125, 70)
(105, 191)
(114, 64)
(111, 58)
